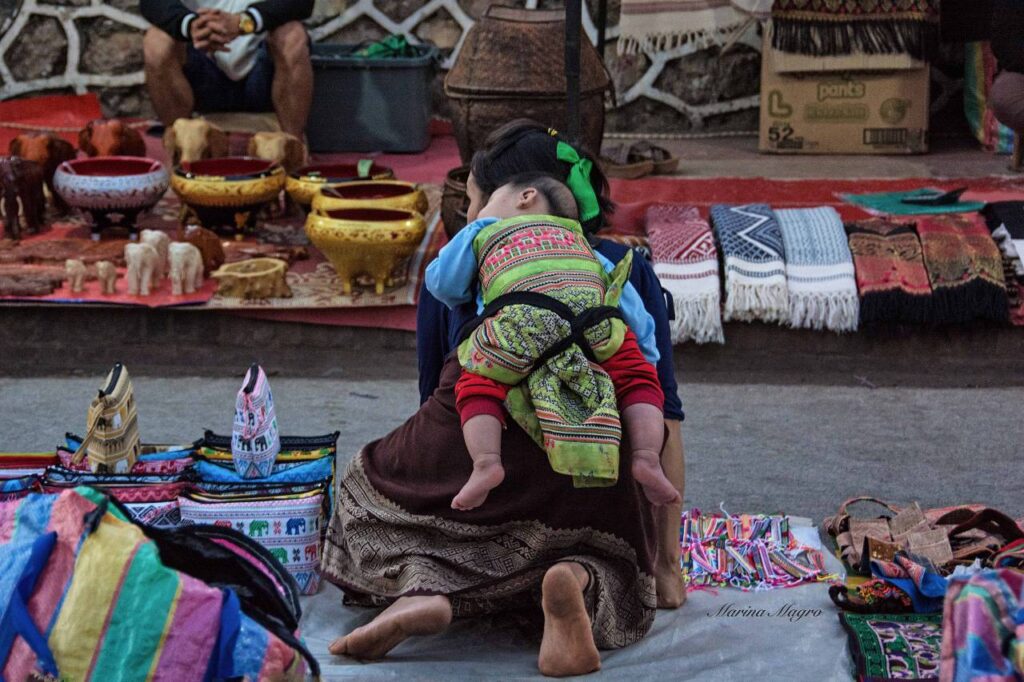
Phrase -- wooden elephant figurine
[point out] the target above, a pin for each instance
(21, 181)
(142, 259)
(282, 148)
(186, 268)
(76, 272)
(192, 139)
(160, 241)
(208, 244)
(107, 274)
(49, 151)
(110, 138)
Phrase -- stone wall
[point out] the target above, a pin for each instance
(50, 46)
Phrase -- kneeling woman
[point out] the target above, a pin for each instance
(585, 556)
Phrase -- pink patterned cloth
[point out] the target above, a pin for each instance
(686, 262)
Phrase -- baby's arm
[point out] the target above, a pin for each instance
(450, 277)
(636, 316)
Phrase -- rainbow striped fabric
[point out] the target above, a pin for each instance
(983, 627)
(84, 595)
(749, 551)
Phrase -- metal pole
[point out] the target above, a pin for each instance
(602, 25)
(573, 28)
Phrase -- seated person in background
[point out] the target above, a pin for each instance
(229, 55)
(1008, 48)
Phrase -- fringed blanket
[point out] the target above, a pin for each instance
(686, 262)
(819, 269)
(660, 25)
(755, 268)
(820, 28)
(965, 269)
(749, 551)
(894, 646)
(891, 277)
(1006, 222)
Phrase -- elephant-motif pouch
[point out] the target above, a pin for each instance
(255, 439)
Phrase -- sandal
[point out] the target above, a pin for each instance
(617, 162)
(664, 162)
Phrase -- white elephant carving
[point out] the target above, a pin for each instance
(76, 272)
(107, 274)
(186, 268)
(159, 241)
(142, 259)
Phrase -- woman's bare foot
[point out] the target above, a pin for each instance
(407, 617)
(668, 582)
(488, 473)
(568, 645)
(648, 473)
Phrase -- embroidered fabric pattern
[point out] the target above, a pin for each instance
(894, 646)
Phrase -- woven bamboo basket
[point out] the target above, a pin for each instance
(454, 200)
(512, 65)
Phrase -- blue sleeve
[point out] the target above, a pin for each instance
(649, 289)
(452, 275)
(636, 315)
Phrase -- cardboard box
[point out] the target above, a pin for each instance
(842, 112)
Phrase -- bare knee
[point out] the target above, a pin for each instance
(161, 51)
(289, 45)
(1007, 99)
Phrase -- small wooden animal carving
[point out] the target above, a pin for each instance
(76, 272)
(160, 241)
(110, 138)
(21, 181)
(141, 259)
(283, 148)
(192, 139)
(186, 268)
(49, 151)
(107, 274)
(208, 244)
(255, 279)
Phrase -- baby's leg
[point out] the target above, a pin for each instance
(483, 440)
(646, 427)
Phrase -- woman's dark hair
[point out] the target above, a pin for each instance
(524, 145)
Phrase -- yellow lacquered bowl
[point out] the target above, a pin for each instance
(226, 193)
(389, 194)
(366, 241)
(303, 184)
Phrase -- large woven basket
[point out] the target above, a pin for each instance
(512, 65)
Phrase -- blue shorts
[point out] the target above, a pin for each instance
(214, 91)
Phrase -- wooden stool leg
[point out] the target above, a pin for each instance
(1018, 152)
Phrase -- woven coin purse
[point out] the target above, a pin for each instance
(255, 439)
(112, 440)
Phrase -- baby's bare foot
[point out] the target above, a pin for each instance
(648, 473)
(488, 473)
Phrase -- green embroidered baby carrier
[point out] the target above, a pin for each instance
(551, 315)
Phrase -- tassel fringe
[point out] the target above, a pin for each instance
(663, 42)
(836, 311)
(697, 319)
(749, 302)
(917, 38)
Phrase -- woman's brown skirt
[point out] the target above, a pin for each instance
(395, 534)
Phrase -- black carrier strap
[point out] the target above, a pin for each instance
(579, 323)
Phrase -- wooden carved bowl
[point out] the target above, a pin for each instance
(113, 189)
(366, 241)
(403, 196)
(226, 194)
(303, 184)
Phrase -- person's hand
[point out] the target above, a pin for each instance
(212, 30)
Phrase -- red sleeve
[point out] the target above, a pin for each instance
(475, 395)
(635, 379)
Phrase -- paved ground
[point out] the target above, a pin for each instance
(798, 449)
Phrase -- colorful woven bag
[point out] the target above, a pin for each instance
(255, 440)
(86, 594)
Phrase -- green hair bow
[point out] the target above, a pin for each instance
(579, 181)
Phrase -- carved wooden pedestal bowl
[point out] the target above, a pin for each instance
(303, 184)
(226, 194)
(366, 241)
(390, 194)
(114, 190)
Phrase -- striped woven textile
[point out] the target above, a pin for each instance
(105, 607)
(749, 552)
(686, 263)
(819, 270)
(659, 25)
(755, 268)
(983, 627)
(891, 277)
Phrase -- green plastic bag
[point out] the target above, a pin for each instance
(391, 47)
